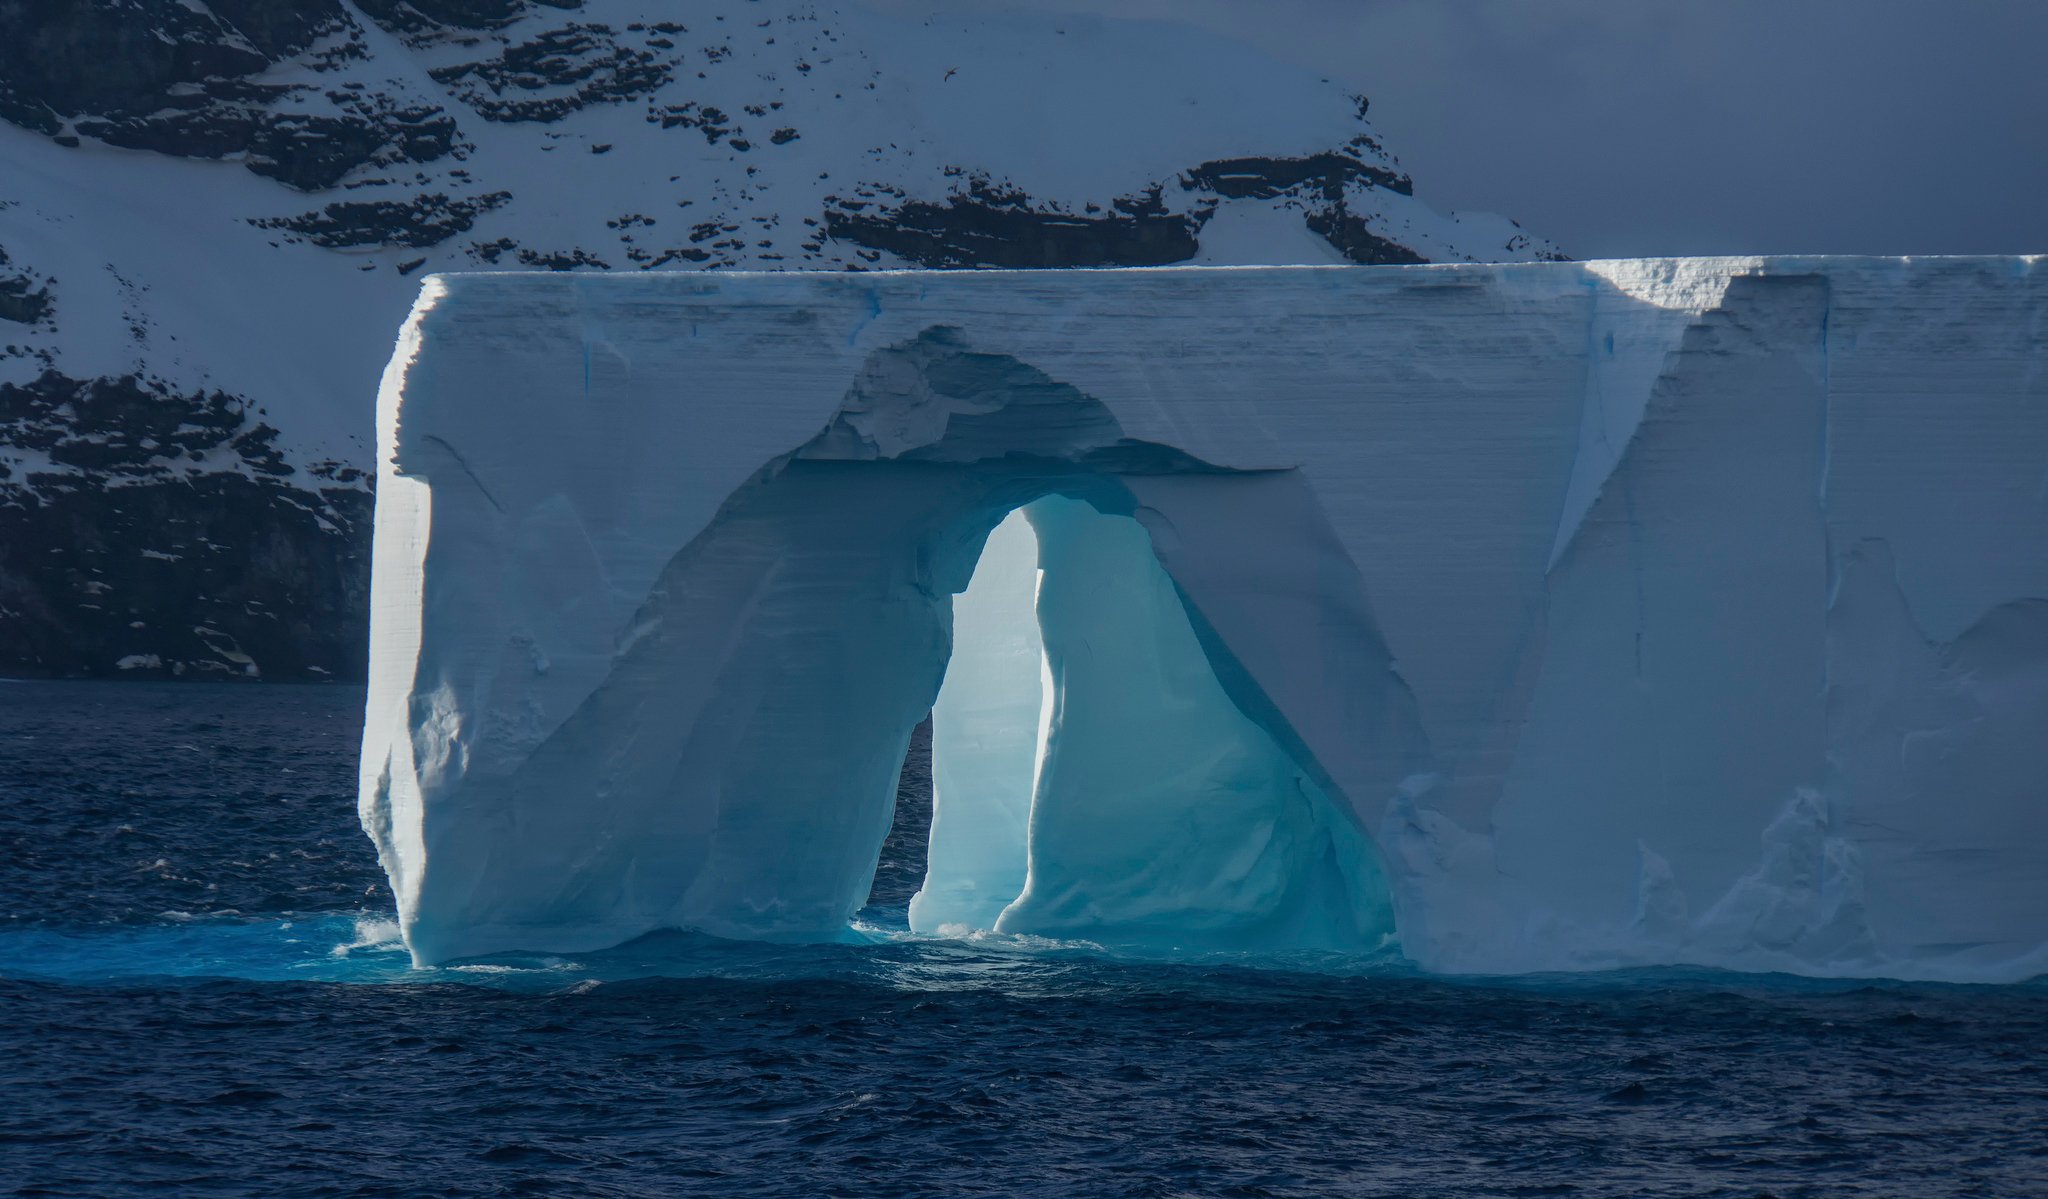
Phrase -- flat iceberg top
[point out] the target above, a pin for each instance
(1658, 610)
(1150, 331)
(1662, 281)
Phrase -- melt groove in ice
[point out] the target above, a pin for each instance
(1549, 616)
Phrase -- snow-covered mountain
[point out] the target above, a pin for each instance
(213, 215)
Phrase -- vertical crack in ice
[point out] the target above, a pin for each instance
(874, 312)
(1827, 397)
(1635, 562)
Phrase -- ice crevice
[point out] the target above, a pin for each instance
(1558, 616)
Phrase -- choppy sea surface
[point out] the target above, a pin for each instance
(200, 993)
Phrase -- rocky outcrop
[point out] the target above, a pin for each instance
(162, 534)
(426, 220)
(989, 226)
(312, 152)
(251, 581)
(421, 21)
(179, 79)
(25, 295)
(580, 64)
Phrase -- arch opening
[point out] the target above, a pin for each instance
(1207, 789)
(1094, 778)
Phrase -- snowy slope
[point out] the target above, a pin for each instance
(213, 216)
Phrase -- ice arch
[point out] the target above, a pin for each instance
(733, 771)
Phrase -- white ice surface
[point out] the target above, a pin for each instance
(1663, 611)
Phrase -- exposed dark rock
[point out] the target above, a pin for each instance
(1522, 243)
(171, 535)
(683, 254)
(335, 472)
(1263, 178)
(112, 59)
(212, 132)
(1323, 182)
(310, 152)
(430, 16)
(562, 260)
(25, 296)
(417, 134)
(1356, 241)
(314, 152)
(129, 428)
(281, 28)
(583, 59)
(215, 576)
(491, 251)
(994, 229)
(152, 74)
(162, 76)
(32, 114)
(19, 304)
(422, 221)
(706, 119)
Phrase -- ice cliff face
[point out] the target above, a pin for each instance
(1541, 617)
(213, 213)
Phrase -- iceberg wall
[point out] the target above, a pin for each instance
(1549, 616)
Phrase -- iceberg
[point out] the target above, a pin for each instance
(1524, 617)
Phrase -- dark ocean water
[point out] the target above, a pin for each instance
(199, 994)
